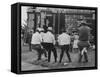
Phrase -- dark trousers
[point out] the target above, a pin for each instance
(84, 54)
(30, 47)
(44, 49)
(64, 48)
(51, 48)
(70, 47)
(39, 54)
(81, 45)
(37, 47)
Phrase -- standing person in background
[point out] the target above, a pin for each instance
(84, 33)
(36, 42)
(75, 43)
(49, 41)
(71, 42)
(29, 39)
(64, 41)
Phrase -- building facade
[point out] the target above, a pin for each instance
(58, 18)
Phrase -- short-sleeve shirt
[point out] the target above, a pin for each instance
(36, 38)
(49, 38)
(64, 39)
(84, 32)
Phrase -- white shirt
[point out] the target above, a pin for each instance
(76, 37)
(49, 38)
(42, 35)
(36, 38)
(64, 39)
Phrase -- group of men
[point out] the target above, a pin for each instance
(44, 43)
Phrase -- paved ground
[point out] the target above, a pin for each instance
(29, 60)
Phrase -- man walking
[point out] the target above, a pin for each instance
(84, 32)
(49, 41)
(36, 42)
(42, 33)
(64, 42)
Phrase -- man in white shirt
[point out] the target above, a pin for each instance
(42, 33)
(36, 42)
(49, 41)
(64, 42)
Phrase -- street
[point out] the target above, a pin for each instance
(29, 60)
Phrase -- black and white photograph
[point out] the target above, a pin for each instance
(57, 38)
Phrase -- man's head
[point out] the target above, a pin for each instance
(41, 30)
(50, 29)
(38, 30)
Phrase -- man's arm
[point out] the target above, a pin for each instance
(54, 41)
(40, 38)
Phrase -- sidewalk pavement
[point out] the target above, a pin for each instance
(29, 60)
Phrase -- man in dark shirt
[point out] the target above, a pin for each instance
(29, 37)
(83, 45)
